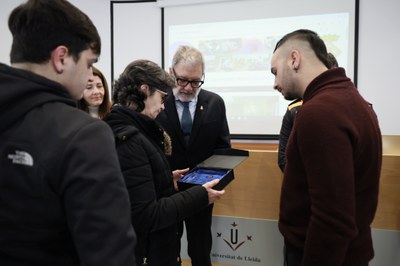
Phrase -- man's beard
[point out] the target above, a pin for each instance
(290, 96)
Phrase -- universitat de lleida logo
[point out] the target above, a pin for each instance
(234, 242)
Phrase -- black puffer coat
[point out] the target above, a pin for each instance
(63, 200)
(155, 207)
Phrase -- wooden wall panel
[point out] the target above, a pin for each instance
(388, 213)
(255, 191)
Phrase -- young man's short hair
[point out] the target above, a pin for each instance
(39, 26)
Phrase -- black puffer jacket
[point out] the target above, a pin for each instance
(155, 207)
(62, 195)
(286, 128)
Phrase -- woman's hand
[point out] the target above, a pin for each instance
(213, 195)
(178, 174)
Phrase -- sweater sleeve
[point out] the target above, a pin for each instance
(95, 198)
(325, 138)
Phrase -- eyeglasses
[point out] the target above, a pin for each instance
(184, 82)
(164, 95)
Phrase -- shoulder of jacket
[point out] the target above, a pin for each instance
(208, 94)
(125, 133)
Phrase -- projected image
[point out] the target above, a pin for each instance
(234, 54)
(237, 62)
(250, 108)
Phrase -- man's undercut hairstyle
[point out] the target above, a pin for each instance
(312, 38)
(332, 61)
(39, 26)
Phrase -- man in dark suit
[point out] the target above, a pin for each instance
(196, 121)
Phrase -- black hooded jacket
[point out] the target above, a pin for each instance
(156, 208)
(63, 200)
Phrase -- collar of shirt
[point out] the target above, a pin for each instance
(192, 106)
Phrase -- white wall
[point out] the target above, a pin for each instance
(97, 10)
(5, 36)
(99, 13)
(379, 58)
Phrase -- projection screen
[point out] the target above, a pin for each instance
(237, 39)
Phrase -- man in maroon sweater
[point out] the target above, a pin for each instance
(331, 181)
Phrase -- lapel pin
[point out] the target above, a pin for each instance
(201, 107)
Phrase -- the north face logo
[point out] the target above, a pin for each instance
(21, 157)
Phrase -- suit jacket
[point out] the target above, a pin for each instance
(209, 132)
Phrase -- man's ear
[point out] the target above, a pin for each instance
(295, 59)
(58, 56)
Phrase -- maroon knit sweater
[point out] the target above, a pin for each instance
(331, 181)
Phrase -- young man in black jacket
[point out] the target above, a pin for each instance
(62, 196)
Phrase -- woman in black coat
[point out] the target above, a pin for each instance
(156, 207)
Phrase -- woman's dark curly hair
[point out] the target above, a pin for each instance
(126, 90)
